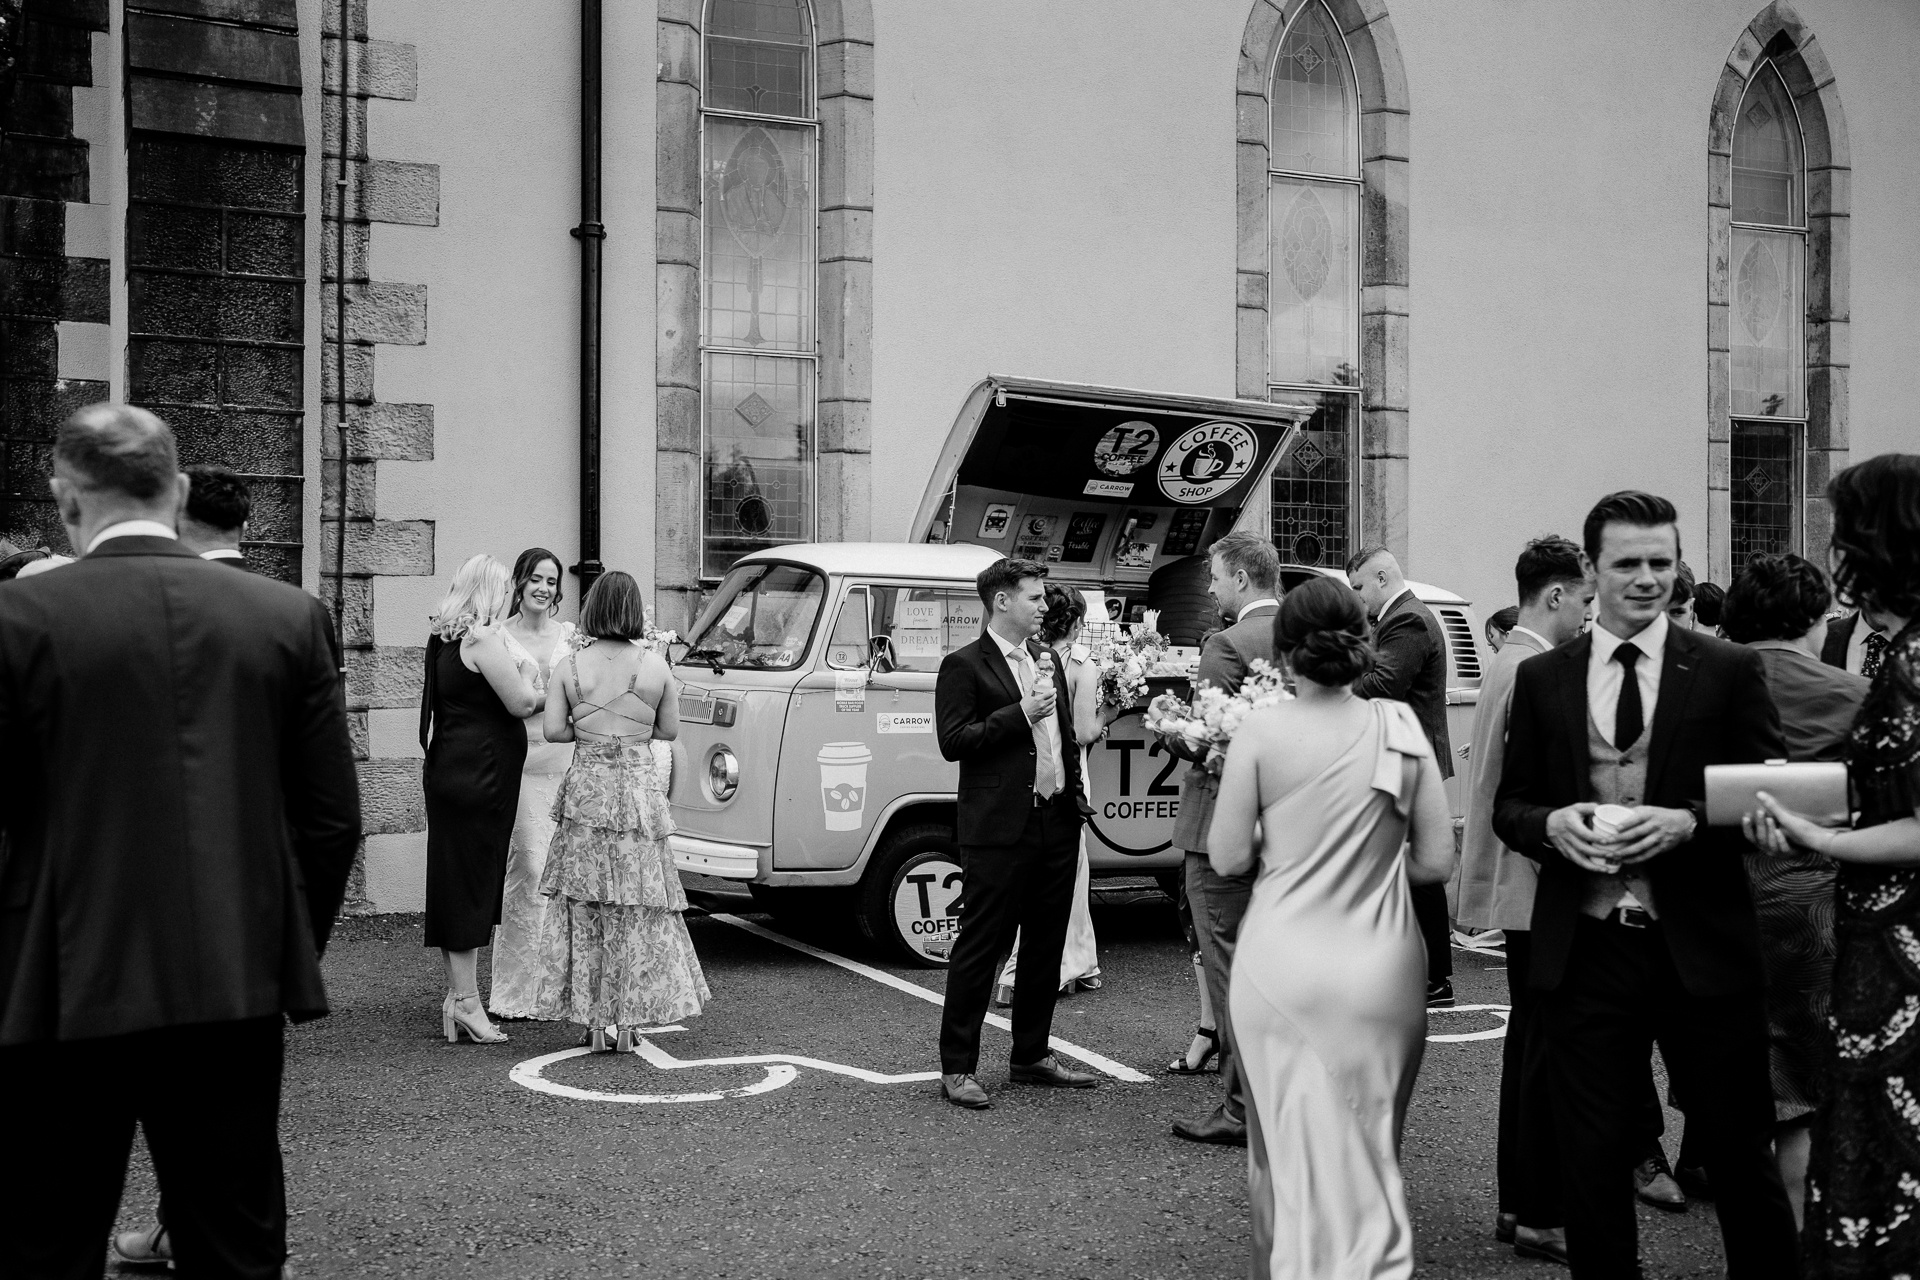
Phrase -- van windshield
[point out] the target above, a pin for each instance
(761, 617)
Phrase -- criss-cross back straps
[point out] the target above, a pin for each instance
(581, 705)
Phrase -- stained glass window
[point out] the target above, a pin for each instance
(1768, 174)
(1766, 483)
(1314, 120)
(1313, 293)
(1312, 486)
(759, 214)
(1767, 330)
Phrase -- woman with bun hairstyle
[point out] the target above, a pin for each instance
(1328, 997)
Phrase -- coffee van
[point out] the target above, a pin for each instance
(807, 764)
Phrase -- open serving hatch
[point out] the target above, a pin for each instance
(1103, 485)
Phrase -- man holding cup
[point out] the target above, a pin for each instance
(1643, 925)
(1000, 710)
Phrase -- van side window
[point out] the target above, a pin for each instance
(925, 624)
(847, 646)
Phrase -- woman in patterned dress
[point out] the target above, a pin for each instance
(620, 953)
(537, 643)
(1863, 1187)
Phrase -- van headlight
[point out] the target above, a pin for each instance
(723, 773)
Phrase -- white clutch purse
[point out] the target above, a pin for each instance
(1815, 788)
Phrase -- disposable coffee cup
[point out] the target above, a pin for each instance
(1608, 819)
(843, 784)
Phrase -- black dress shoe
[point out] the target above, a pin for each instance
(962, 1090)
(1504, 1226)
(1440, 994)
(1653, 1183)
(1549, 1244)
(1048, 1071)
(1218, 1128)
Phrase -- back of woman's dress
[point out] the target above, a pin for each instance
(1329, 1013)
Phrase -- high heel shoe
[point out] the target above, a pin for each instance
(1180, 1066)
(624, 1042)
(454, 1020)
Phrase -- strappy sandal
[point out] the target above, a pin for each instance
(1180, 1067)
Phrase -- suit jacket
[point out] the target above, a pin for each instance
(977, 717)
(180, 799)
(1839, 636)
(1224, 662)
(1492, 885)
(1713, 709)
(1816, 703)
(1413, 669)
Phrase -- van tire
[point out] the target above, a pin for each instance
(891, 862)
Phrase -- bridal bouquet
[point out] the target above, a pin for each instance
(657, 640)
(1209, 722)
(1125, 664)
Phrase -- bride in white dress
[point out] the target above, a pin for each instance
(538, 644)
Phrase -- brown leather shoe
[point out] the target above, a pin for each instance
(1653, 1183)
(1049, 1072)
(963, 1090)
(1218, 1128)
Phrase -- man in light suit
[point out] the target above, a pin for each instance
(215, 518)
(1493, 889)
(181, 813)
(1000, 710)
(1245, 584)
(1412, 668)
(1645, 933)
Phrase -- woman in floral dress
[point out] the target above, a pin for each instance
(1863, 1187)
(622, 956)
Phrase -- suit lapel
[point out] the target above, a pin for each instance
(1571, 680)
(997, 663)
(1676, 680)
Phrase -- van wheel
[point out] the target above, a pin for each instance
(910, 897)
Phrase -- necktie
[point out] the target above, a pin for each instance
(1628, 718)
(1875, 653)
(1046, 769)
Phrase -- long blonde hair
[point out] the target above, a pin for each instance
(479, 595)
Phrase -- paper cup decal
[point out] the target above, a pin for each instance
(843, 784)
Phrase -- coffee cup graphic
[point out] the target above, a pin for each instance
(843, 784)
(1206, 461)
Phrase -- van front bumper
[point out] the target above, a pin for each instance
(711, 858)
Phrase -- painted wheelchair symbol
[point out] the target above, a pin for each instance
(782, 1069)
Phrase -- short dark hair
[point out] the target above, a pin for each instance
(1364, 554)
(1628, 506)
(1545, 561)
(1876, 534)
(118, 448)
(1683, 581)
(1708, 599)
(1005, 574)
(523, 568)
(614, 608)
(1778, 597)
(217, 498)
(1503, 620)
(1065, 607)
(1322, 630)
(1251, 554)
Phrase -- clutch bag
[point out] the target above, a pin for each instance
(1815, 788)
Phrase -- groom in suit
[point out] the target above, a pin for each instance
(999, 710)
(1647, 935)
(1246, 586)
(181, 813)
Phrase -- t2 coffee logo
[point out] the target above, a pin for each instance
(1207, 461)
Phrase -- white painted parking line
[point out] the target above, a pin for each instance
(1499, 1011)
(1099, 1062)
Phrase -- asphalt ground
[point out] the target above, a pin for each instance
(407, 1156)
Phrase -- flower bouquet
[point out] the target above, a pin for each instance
(1124, 665)
(1208, 723)
(658, 640)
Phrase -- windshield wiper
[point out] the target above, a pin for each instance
(712, 656)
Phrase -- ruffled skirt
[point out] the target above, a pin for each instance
(619, 953)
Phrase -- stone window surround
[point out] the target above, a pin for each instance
(1380, 78)
(843, 298)
(1779, 33)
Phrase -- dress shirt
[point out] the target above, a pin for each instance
(1250, 606)
(1546, 645)
(1390, 602)
(132, 529)
(223, 553)
(1046, 734)
(1604, 673)
(1857, 643)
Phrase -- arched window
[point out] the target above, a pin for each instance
(1314, 202)
(1767, 329)
(759, 210)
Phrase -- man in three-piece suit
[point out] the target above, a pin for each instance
(1245, 584)
(181, 814)
(999, 710)
(1649, 935)
(215, 517)
(1856, 643)
(1411, 668)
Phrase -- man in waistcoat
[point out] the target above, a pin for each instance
(1645, 932)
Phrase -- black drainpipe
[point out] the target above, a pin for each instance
(340, 341)
(590, 233)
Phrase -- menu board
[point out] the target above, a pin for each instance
(1183, 534)
(1083, 536)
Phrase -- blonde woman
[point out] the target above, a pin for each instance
(470, 727)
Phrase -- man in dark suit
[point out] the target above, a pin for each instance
(1856, 643)
(1646, 932)
(181, 814)
(216, 513)
(999, 710)
(1412, 668)
(1245, 585)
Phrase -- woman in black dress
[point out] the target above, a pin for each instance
(470, 726)
(1863, 1187)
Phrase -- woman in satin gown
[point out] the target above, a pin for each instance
(1328, 994)
(538, 644)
